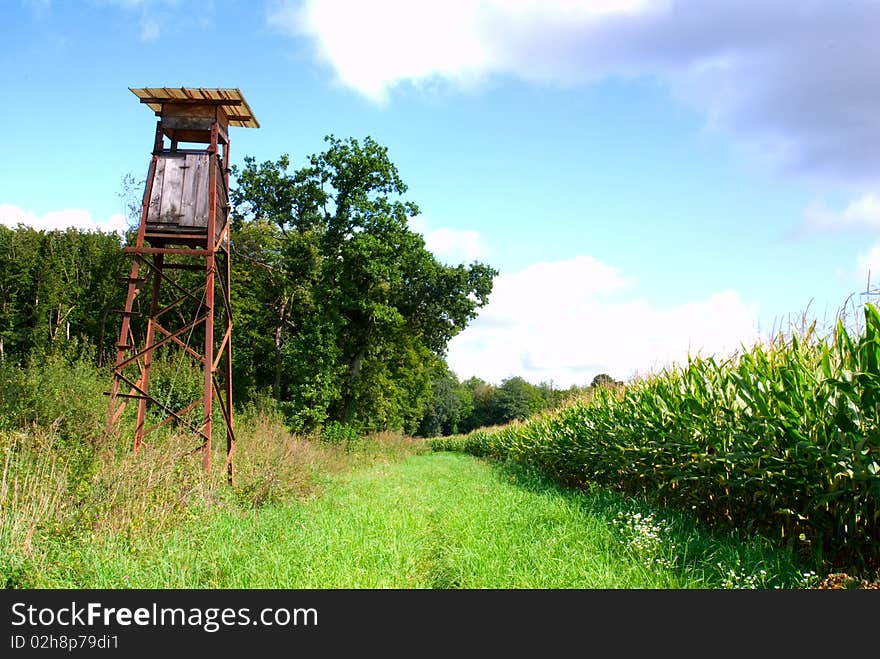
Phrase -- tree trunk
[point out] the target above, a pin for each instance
(101, 333)
(279, 327)
(61, 319)
(354, 368)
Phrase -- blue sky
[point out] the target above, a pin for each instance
(651, 177)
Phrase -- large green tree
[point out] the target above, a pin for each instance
(361, 311)
(517, 399)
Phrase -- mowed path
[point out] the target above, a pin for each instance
(438, 520)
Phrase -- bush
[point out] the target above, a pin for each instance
(340, 434)
(57, 390)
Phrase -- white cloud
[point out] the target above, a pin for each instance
(450, 245)
(373, 44)
(558, 322)
(869, 265)
(12, 216)
(863, 213)
(796, 82)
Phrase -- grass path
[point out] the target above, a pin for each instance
(438, 520)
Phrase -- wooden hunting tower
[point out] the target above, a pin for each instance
(184, 228)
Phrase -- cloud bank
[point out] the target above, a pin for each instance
(11, 216)
(567, 321)
(793, 82)
(861, 214)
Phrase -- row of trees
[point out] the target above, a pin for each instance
(340, 312)
(57, 287)
(459, 407)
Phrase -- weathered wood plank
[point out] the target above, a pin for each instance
(176, 112)
(192, 110)
(201, 208)
(156, 193)
(187, 192)
(155, 98)
(195, 189)
(187, 123)
(222, 201)
(171, 190)
(223, 136)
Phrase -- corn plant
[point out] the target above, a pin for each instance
(782, 439)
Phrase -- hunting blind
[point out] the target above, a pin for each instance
(184, 228)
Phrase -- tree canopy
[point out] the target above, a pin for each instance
(361, 312)
(57, 286)
(341, 314)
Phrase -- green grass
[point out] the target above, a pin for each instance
(436, 520)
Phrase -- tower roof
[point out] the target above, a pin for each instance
(231, 101)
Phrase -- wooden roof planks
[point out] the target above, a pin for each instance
(231, 101)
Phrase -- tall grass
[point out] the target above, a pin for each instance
(67, 489)
(782, 440)
(32, 488)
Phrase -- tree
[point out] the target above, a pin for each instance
(604, 380)
(484, 411)
(363, 309)
(518, 399)
(451, 402)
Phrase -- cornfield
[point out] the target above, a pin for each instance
(781, 440)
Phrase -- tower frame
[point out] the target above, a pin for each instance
(184, 227)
